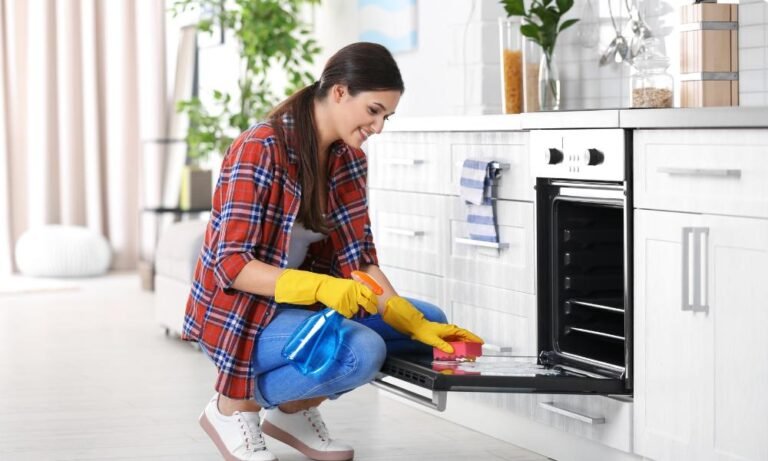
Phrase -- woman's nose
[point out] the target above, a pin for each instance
(378, 125)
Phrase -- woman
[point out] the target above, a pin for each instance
(289, 224)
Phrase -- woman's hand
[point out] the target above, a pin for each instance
(403, 317)
(343, 295)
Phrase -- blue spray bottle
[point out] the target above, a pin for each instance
(315, 343)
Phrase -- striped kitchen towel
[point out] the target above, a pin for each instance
(476, 190)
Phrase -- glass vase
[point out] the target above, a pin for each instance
(531, 61)
(511, 65)
(549, 83)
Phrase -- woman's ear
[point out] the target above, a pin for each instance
(338, 92)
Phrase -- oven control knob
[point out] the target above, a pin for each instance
(593, 156)
(553, 156)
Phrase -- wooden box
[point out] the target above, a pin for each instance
(709, 55)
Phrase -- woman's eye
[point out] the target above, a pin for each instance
(386, 118)
(372, 111)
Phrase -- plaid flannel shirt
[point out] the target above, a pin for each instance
(255, 204)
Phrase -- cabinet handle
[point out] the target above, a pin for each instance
(480, 243)
(403, 161)
(401, 231)
(709, 172)
(550, 406)
(695, 269)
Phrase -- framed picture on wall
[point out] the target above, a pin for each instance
(392, 23)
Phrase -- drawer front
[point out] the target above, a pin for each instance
(410, 284)
(704, 171)
(409, 230)
(512, 267)
(510, 149)
(500, 317)
(602, 419)
(415, 162)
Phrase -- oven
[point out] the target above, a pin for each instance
(584, 283)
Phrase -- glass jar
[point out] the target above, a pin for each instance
(511, 65)
(651, 84)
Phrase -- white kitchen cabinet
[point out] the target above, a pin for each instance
(409, 229)
(607, 420)
(704, 171)
(414, 162)
(425, 287)
(701, 352)
(512, 266)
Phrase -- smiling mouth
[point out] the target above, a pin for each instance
(365, 134)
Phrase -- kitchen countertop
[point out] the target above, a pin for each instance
(709, 117)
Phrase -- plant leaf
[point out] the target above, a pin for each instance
(514, 7)
(567, 24)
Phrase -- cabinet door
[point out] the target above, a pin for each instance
(409, 230)
(669, 361)
(701, 352)
(737, 291)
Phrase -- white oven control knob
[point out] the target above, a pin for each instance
(592, 156)
(553, 156)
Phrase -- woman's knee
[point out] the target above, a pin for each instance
(365, 352)
(430, 311)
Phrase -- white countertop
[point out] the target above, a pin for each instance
(710, 117)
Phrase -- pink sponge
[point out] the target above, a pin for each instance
(461, 350)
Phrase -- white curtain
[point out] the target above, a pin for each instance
(83, 81)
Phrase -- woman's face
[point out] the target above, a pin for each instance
(359, 117)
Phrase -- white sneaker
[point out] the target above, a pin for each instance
(238, 437)
(306, 432)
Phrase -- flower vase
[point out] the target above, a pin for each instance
(549, 83)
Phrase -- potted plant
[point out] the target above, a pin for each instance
(541, 24)
(272, 40)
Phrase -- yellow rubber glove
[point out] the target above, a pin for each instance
(403, 317)
(342, 295)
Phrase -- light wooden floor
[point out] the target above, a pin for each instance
(86, 374)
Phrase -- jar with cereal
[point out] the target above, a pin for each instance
(511, 65)
(652, 85)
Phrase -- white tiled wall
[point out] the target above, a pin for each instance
(753, 53)
(455, 68)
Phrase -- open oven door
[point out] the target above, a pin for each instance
(493, 372)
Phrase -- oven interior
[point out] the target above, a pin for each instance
(588, 282)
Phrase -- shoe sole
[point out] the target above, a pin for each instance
(211, 431)
(317, 455)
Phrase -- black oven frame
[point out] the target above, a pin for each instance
(548, 194)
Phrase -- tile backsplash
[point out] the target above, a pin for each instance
(587, 85)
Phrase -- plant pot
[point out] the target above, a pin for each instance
(196, 188)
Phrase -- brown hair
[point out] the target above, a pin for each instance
(361, 67)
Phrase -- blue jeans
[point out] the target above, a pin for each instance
(363, 348)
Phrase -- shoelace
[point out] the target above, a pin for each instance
(314, 417)
(251, 432)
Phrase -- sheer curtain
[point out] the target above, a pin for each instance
(82, 81)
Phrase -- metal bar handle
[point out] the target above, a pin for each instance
(550, 406)
(700, 244)
(437, 402)
(402, 231)
(695, 269)
(403, 161)
(686, 295)
(709, 172)
(481, 243)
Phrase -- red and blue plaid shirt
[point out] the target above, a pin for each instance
(255, 204)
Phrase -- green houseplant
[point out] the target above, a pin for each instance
(541, 24)
(271, 38)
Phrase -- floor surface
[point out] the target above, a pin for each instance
(86, 374)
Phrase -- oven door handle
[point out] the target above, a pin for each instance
(437, 402)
